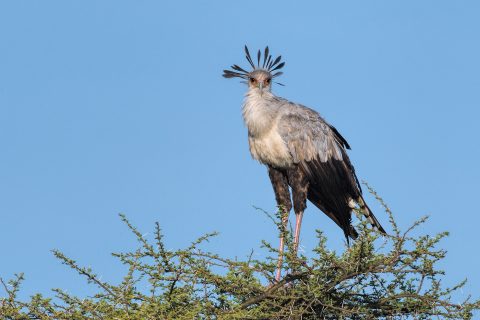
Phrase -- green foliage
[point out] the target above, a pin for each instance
(377, 277)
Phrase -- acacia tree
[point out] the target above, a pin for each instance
(377, 277)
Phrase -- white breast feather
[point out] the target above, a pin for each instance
(270, 149)
(266, 144)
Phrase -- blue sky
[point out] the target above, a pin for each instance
(109, 107)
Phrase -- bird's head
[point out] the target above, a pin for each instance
(262, 75)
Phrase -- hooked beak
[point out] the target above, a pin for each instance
(260, 86)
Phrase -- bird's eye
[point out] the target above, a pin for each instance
(268, 81)
(252, 80)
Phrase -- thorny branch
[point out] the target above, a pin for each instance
(384, 277)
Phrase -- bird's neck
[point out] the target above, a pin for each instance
(259, 111)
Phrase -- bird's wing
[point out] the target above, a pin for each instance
(309, 137)
(320, 151)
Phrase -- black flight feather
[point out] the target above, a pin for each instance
(330, 186)
(340, 137)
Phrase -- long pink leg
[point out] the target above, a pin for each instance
(281, 248)
(298, 225)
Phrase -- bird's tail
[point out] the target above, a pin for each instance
(369, 215)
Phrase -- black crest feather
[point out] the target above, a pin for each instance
(235, 67)
(280, 66)
(268, 64)
(277, 74)
(249, 58)
(275, 62)
(265, 57)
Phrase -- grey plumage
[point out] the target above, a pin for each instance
(307, 135)
(296, 142)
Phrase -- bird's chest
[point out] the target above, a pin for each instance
(270, 149)
(266, 144)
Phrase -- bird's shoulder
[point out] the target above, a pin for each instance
(298, 119)
(308, 134)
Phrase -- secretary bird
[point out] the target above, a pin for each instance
(301, 150)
